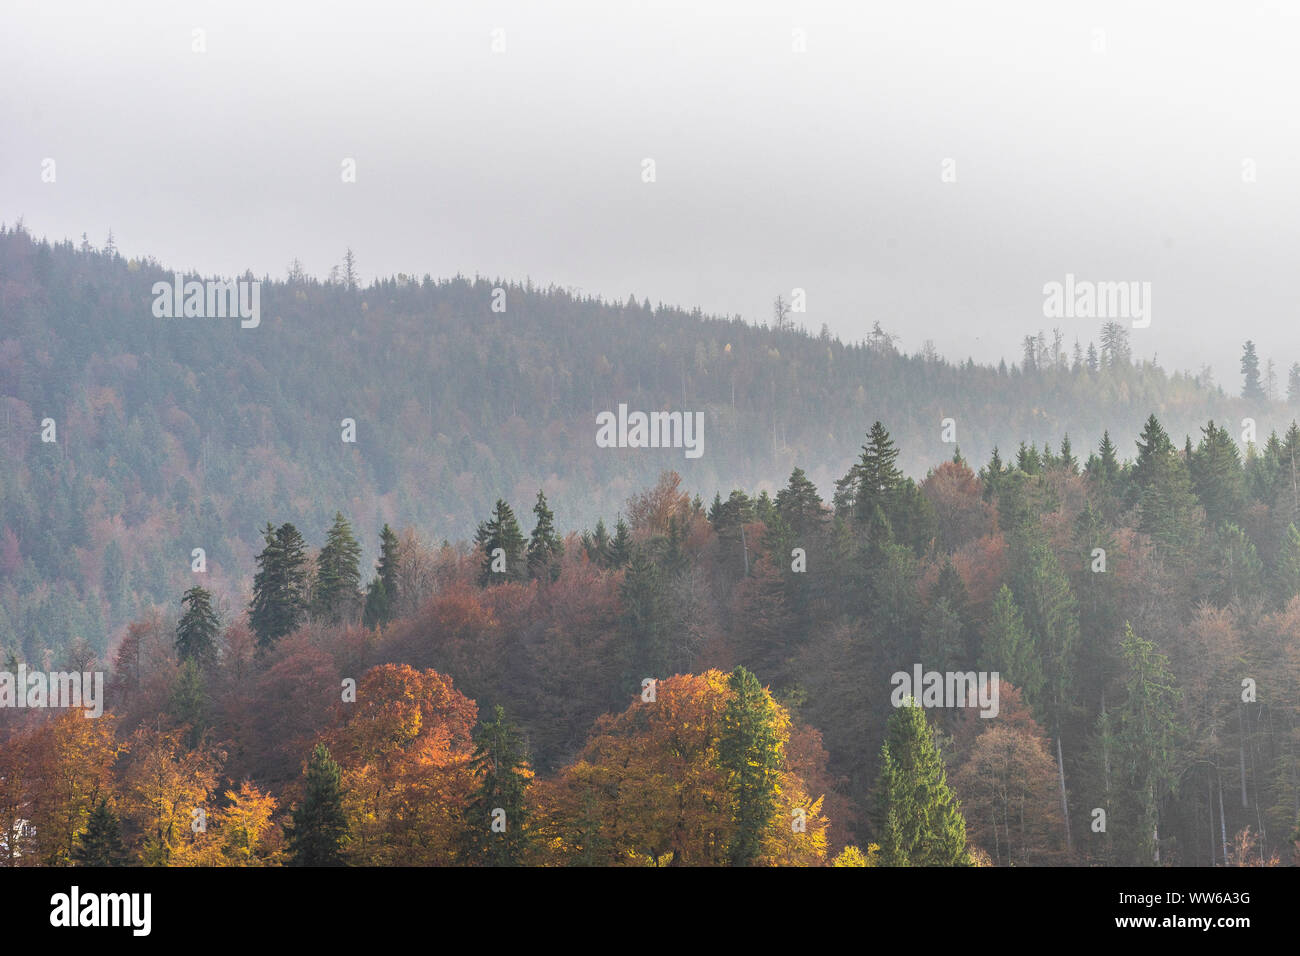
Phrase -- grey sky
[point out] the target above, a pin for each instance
(775, 169)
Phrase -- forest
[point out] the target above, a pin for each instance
(177, 434)
(474, 636)
(708, 682)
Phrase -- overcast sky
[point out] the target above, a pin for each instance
(1113, 155)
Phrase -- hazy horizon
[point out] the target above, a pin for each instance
(1118, 155)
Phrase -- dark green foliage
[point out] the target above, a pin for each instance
(749, 751)
(319, 828)
(198, 629)
(280, 586)
(497, 839)
(503, 547)
(917, 817)
(335, 595)
(544, 547)
(100, 844)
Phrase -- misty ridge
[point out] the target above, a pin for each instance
(419, 402)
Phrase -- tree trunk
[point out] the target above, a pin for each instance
(1065, 806)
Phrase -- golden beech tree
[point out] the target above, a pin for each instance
(648, 789)
(73, 762)
(405, 747)
(248, 833)
(166, 783)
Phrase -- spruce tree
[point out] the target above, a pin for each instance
(499, 838)
(502, 545)
(799, 505)
(544, 546)
(100, 844)
(196, 633)
(1216, 474)
(1148, 736)
(1252, 388)
(750, 752)
(620, 546)
(381, 595)
(917, 816)
(319, 828)
(280, 585)
(878, 479)
(338, 574)
(1009, 649)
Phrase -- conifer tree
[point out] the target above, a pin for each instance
(876, 474)
(280, 585)
(544, 547)
(1252, 388)
(750, 751)
(196, 633)
(381, 595)
(917, 816)
(498, 810)
(502, 545)
(620, 546)
(338, 574)
(100, 844)
(799, 505)
(1148, 735)
(319, 827)
(1217, 478)
(1009, 649)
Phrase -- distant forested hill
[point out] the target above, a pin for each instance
(175, 434)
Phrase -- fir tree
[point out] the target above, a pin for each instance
(750, 752)
(279, 586)
(917, 816)
(381, 595)
(338, 575)
(497, 810)
(502, 545)
(620, 546)
(877, 477)
(544, 547)
(196, 633)
(319, 827)
(1251, 389)
(100, 844)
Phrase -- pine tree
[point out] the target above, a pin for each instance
(280, 585)
(917, 816)
(498, 809)
(544, 547)
(1252, 389)
(100, 844)
(197, 631)
(1293, 385)
(319, 828)
(338, 574)
(502, 545)
(750, 752)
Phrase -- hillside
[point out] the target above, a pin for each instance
(175, 434)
